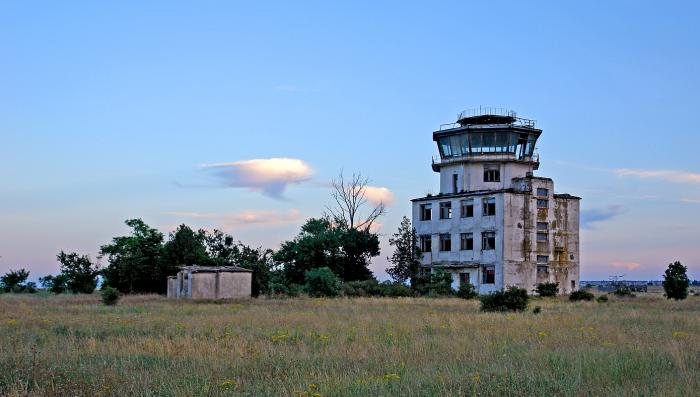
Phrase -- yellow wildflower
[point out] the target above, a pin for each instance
(542, 334)
(313, 386)
(391, 376)
(679, 334)
(229, 384)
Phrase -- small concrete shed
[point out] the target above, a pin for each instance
(210, 282)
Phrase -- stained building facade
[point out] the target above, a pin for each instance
(494, 223)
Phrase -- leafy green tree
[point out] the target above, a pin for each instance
(221, 248)
(258, 260)
(676, 281)
(55, 284)
(135, 265)
(357, 247)
(78, 272)
(547, 289)
(184, 247)
(14, 280)
(406, 257)
(467, 291)
(512, 299)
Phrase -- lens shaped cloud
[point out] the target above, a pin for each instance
(269, 176)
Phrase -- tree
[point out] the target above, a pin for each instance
(676, 281)
(221, 248)
(14, 280)
(349, 197)
(322, 282)
(185, 247)
(55, 284)
(79, 273)
(134, 260)
(258, 260)
(406, 257)
(547, 289)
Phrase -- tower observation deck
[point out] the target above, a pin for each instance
(487, 134)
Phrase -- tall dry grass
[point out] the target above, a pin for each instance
(150, 346)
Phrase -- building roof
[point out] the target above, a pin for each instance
(215, 269)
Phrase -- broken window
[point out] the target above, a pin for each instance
(489, 275)
(466, 241)
(542, 258)
(455, 179)
(542, 192)
(467, 208)
(426, 243)
(488, 241)
(445, 242)
(542, 203)
(464, 278)
(542, 226)
(542, 269)
(492, 173)
(489, 206)
(426, 212)
(446, 210)
(542, 236)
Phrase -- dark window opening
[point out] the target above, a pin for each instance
(542, 192)
(446, 210)
(445, 242)
(466, 242)
(542, 269)
(488, 241)
(426, 243)
(542, 203)
(455, 179)
(464, 278)
(542, 237)
(426, 212)
(492, 173)
(542, 226)
(489, 206)
(489, 275)
(542, 258)
(467, 208)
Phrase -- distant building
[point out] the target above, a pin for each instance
(210, 282)
(494, 224)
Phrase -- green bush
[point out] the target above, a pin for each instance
(362, 288)
(394, 290)
(581, 295)
(110, 296)
(623, 291)
(322, 282)
(537, 310)
(602, 299)
(437, 283)
(547, 289)
(467, 291)
(512, 299)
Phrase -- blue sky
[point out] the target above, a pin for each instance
(115, 111)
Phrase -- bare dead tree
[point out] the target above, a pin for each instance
(350, 199)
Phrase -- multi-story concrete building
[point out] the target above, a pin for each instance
(494, 224)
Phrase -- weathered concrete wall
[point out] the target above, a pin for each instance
(203, 286)
(235, 285)
(172, 287)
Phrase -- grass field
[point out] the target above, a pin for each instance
(150, 346)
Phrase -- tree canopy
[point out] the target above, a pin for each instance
(676, 281)
(406, 257)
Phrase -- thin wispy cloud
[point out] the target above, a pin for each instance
(590, 217)
(232, 220)
(269, 176)
(625, 265)
(691, 200)
(666, 175)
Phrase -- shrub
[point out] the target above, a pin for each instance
(602, 299)
(394, 290)
(537, 310)
(362, 288)
(512, 299)
(623, 291)
(547, 289)
(440, 283)
(581, 295)
(321, 282)
(110, 296)
(467, 291)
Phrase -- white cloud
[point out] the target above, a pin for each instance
(376, 195)
(593, 215)
(269, 176)
(666, 175)
(691, 200)
(232, 220)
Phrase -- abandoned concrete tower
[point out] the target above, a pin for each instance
(494, 224)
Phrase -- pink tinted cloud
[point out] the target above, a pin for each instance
(270, 176)
(379, 195)
(625, 265)
(666, 175)
(232, 220)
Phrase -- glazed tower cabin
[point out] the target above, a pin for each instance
(495, 224)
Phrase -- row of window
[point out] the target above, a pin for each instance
(466, 242)
(488, 276)
(466, 209)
